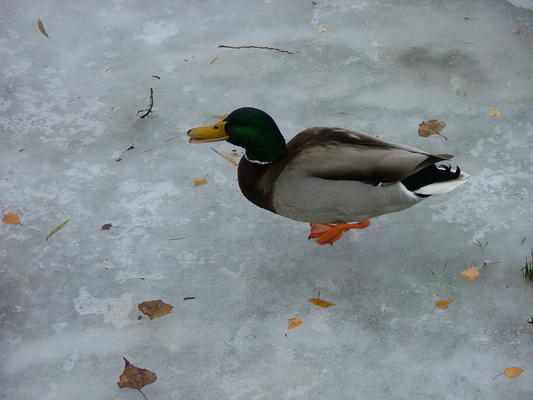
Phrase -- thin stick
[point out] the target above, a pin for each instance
(150, 106)
(145, 398)
(255, 47)
(213, 60)
(225, 157)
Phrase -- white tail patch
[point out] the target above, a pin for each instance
(443, 187)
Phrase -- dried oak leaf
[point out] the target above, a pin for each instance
(135, 378)
(155, 308)
(432, 127)
(200, 181)
(11, 218)
(106, 227)
(511, 372)
(470, 274)
(320, 302)
(495, 112)
(443, 303)
(294, 322)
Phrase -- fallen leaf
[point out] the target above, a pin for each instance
(155, 308)
(443, 303)
(225, 157)
(495, 112)
(40, 25)
(517, 31)
(511, 372)
(106, 227)
(135, 378)
(11, 218)
(432, 127)
(57, 229)
(294, 322)
(322, 28)
(200, 181)
(320, 302)
(470, 274)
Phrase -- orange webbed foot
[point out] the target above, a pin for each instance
(330, 233)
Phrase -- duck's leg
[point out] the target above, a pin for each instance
(330, 233)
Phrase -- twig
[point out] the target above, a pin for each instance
(150, 106)
(255, 47)
(145, 398)
(189, 298)
(156, 76)
(228, 158)
(213, 60)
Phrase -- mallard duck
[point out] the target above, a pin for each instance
(333, 178)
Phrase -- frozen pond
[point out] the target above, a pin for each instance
(73, 147)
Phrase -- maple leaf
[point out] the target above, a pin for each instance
(200, 181)
(470, 274)
(155, 308)
(432, 127)
(135, 378)
(495, 112)
(294, 322)
(320, 302)
(443, 304)
(11, 218)
(511, 372)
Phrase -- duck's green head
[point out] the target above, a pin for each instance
(246, 127)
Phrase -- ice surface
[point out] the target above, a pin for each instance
(68, 111)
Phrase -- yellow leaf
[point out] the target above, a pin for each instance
(221, 117)
(57, 229)
(443, 303)
(200, 181)
(495, 112)
(470, 274)
(320, 302)
(155, 308)
(432, 127)
(40, 25)
(513, 372)
(294, 322)
(11, 218)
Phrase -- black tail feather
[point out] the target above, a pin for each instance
(431, 175)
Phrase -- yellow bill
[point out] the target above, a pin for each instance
(210, 133)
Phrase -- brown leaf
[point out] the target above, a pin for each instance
(443, 303)
(155, 308)
(40, 25)
(106, 227)
(11, 218)
(432, 127)
(470, 274)
(135, 378)
(320, 302)
(200, 181)
(294, 322)
(517, 31)
(495, 112)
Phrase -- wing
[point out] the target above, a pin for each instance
(338, 154)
